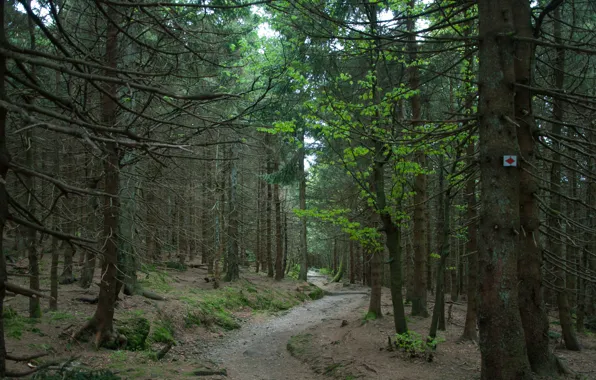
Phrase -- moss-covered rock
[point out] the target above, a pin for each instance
(316, 292)
(136, 331)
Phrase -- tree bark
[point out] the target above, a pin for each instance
(470, 325)
(233, 272)
(302, 275)
(279, 272)
(269, 222)
(420, 213)
(556, 248)
(4, 163)
(501, 334)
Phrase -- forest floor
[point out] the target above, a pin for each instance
(255, 328)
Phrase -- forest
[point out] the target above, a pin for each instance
(186, 168)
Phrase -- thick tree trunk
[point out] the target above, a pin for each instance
(352, 263)
(34, 306)
(532, 310)
(501, 334)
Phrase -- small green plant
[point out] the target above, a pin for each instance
(369, 316)
(325, 271)
(413, 344)
(163, 332)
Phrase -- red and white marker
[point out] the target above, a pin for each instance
(509, 160)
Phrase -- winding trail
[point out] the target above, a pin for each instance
(258, 350)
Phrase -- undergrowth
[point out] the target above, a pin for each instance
(413, 344)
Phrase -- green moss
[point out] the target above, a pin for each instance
(15, 325)
(136, 331)
(158, 281)
(369, 316)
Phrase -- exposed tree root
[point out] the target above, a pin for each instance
(108, 339)
(91, 301)
(152, 296)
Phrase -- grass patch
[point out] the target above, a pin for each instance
(298, 344)
(158, 281)
(60, 316)
(15, 325)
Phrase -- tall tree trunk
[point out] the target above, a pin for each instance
(470, 325)
(54, 245)
(233, 272)
(34, 307)
(259, 227)
(4, 163)
(352, 263)
(302, 275)
(554, 222)
(101, 324)
(279, 272)
(269, 222)
(420, 213)
(438, 316)
(501, 333)
(531, 304)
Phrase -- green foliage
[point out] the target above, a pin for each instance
(325, 271)
(413, 344)
(162, 332)
(176, 265)
(15, 325)
(136, 331)
(369, 316)
(294, 271)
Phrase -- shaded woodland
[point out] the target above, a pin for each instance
(365, 139)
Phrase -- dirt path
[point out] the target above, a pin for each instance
(258, 350)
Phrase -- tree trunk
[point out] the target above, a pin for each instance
(554, 222)
(420, 213)
(101, 324)
(531, 303)
(269, 222)
(470, 325)
(501, 334)
(4, 163)
(302, 276)
(279, 272)
(438, 316)
(352, 263)
(233, 272)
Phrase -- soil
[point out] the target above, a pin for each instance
(321, 339)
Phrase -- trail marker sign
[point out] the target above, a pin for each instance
(509, 160)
